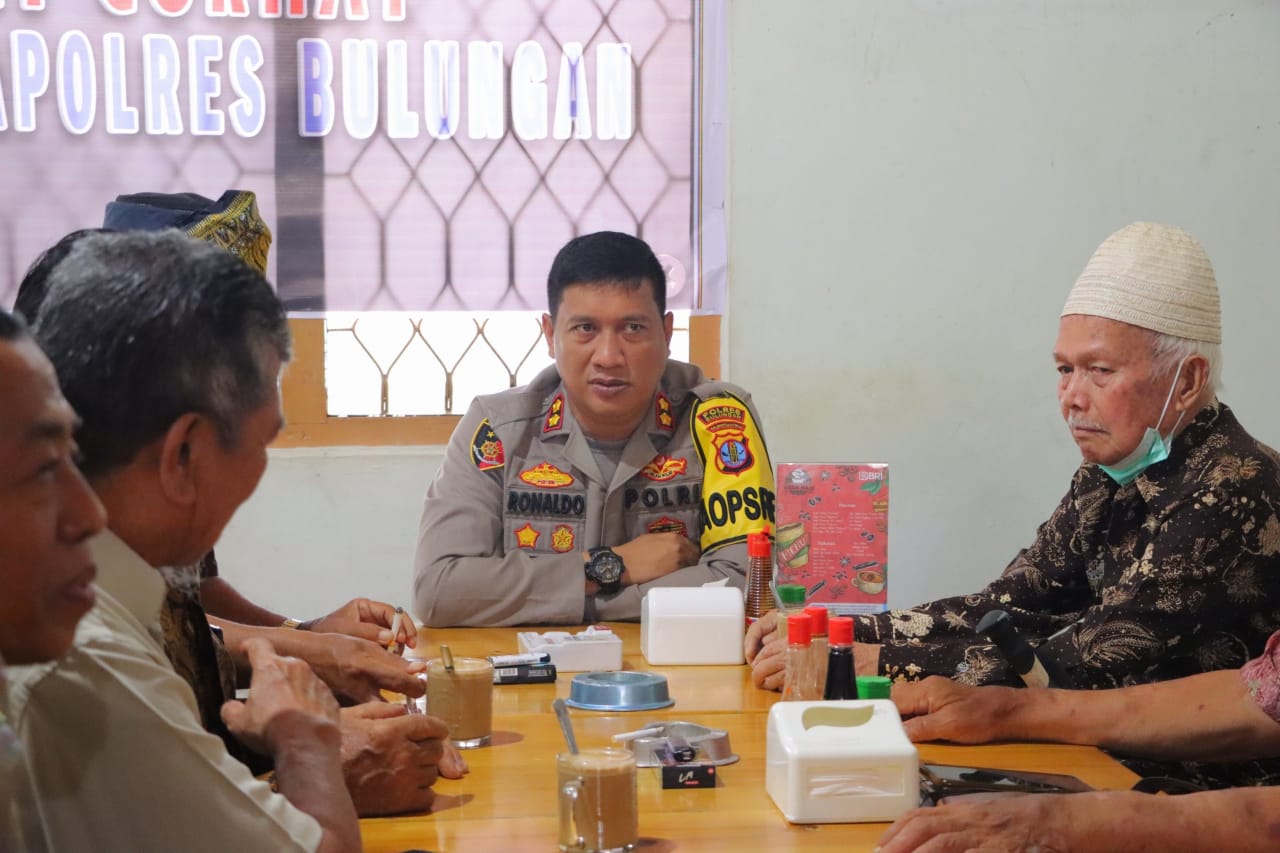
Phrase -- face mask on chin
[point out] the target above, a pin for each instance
(1151, 449)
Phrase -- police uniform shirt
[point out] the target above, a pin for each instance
(520, 496)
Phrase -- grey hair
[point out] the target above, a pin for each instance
(1168, 351)
(144, 327)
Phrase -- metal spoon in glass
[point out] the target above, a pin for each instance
(562, 714)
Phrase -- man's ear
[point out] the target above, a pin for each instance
(549, 332)
(668, 326)
(1191, 384)
(178, 450)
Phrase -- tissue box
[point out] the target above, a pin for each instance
(692, 625)
(840, 762)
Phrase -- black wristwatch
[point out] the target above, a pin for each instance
(605, 568)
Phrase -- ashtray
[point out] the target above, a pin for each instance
(619, 691)
(705, 744)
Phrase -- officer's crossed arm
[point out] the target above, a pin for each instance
(654, 555)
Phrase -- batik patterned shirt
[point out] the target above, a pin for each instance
(1173, 574)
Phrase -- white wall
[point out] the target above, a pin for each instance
(913, 187)
(326, 526)
(916, 185)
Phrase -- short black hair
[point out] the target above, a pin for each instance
(35, 284)
(606, 257)
(11, 326)
(146, 326)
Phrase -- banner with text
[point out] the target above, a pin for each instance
(431, 155)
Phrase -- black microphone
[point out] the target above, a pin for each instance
(997, 627)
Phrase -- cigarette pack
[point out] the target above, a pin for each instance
(833, 534)
(525, 673)
(695, 774)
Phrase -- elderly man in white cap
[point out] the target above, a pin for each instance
(1163, 558)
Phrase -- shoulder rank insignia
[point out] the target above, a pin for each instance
(527, 537)
(486, 448)
(662, 413)
(546, 476)
(555, 416)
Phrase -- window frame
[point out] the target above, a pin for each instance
(306, 403)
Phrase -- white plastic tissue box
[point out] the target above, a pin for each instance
(596, 649)
(692, 625)
(840, 762)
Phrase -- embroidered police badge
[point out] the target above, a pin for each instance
(527, 536)
(562, 539)
(486, 448)
(546, 476)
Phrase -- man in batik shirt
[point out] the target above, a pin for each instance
(1163, 558)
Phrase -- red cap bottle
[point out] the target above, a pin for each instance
(819, 616)
(799, 629)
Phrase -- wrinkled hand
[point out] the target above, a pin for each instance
(367, 619)
(941, 709)
(757, 633)
(286, 703)
(390, 759)
(766, 652)
(355, 669)
(654, 555)
(1029, 823)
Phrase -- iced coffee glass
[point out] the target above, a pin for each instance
(463, 699)
(597, 792)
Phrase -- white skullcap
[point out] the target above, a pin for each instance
(1153, 276)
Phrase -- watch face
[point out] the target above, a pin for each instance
(605, 568)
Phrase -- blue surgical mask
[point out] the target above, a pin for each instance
(1151, 449)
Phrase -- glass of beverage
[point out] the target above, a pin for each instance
(462, 698)
(597, 793)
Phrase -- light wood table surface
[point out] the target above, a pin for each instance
(507, 801)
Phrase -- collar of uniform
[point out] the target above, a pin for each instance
(128, 578)
(678, 379)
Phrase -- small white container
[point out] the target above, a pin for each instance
(840, 762)
(692, 625)
(596, 649)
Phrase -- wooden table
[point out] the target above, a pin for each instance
(507, 802)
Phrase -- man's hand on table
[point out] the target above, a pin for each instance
(355, 669)
(1027, 823)
(941, 709)
(766, 652)
(367, 619)
(655, 555)
(287, 704)
(390, 759)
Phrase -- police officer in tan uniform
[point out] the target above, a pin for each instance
(613, 471)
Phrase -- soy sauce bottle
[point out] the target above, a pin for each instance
(840, 680)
